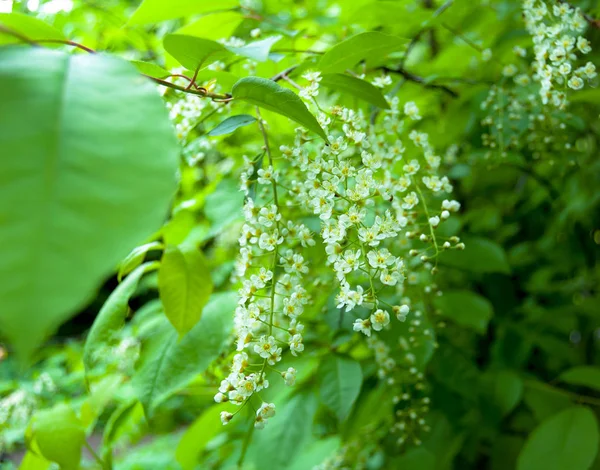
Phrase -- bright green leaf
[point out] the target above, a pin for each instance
(269, 95)
(356, 87)
(586, 376)
(28, 26)
(153, 11)
(231, 124)
(465, 308)
(82, 181)
(214, 26)
(150, 69)
(193, 52)
(568, 439)
(341, 379)
(112, 317)
(135, 258)
(169, 364)
(184, 285)
(371, 45)
(59, 436)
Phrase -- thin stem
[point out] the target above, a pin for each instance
(246, 444)
(95, 455)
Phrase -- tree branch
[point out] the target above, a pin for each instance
(411, 77)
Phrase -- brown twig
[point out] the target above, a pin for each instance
(411, 77)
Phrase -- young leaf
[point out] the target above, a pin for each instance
(269, 95)
(88, 182)
(112, 315)
(356, 87)
(568, 439)
(257, 50)
(59, 436)
(150, 69)
(465, 308)
(28, 26)
(231, 124)
(184, 285)
(153, 11)
(586, 376)
(169, 364)
(193, 52)
(341, 379)
(135, 258)
(371, 45)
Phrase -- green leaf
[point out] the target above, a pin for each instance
(286, 433)
(150, 69)
(112, 316)
(231, 124)
(341, 379)
(33, 461)
(193, 52)
(586, 376)
(214, 26)
(269, 95)
(28, 26)
(82, 182)
(257, 50)
(479, 256)
(168, 364)
(184, 285)
(123, 422)
(135, 258)
(466, 309)
(59, 436)
(153, 11)
(200, 432)
(371, 45)
(361, 89)
(503, 390)
(568, 439)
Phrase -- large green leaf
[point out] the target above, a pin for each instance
(356, 87)
(112, 316)
(466, 308)
(286, 433)
(269, 95)
(215, 26)
(200, 432)
(87, 172)
(185, 286)
(586, 376)
(59, 436)
(568, 439)
(152, 11)
(169, 364)
(193, 52)
(341, 379)
(479, 256)
(371, 45)
(27, 26)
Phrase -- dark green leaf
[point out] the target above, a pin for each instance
(466, 308)
(269, 95)
(82, 181)
(231, 124)
(341, 379)
(184, 285)
(356, 87)
(479, 256)
(568, 439)
(586, 376)
(169, 364)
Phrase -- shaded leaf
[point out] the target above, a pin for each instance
(465, 308)
(341, 379)
(356, 87)
(479, 256)
(231, 124)
(586, 376)
(568, 439)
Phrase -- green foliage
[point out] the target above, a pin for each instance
(232, 123)
(566, 440)
(466, 309)
(341, 379)
(356, 87)
(269, 95)
(184, 285)
(69, 170)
